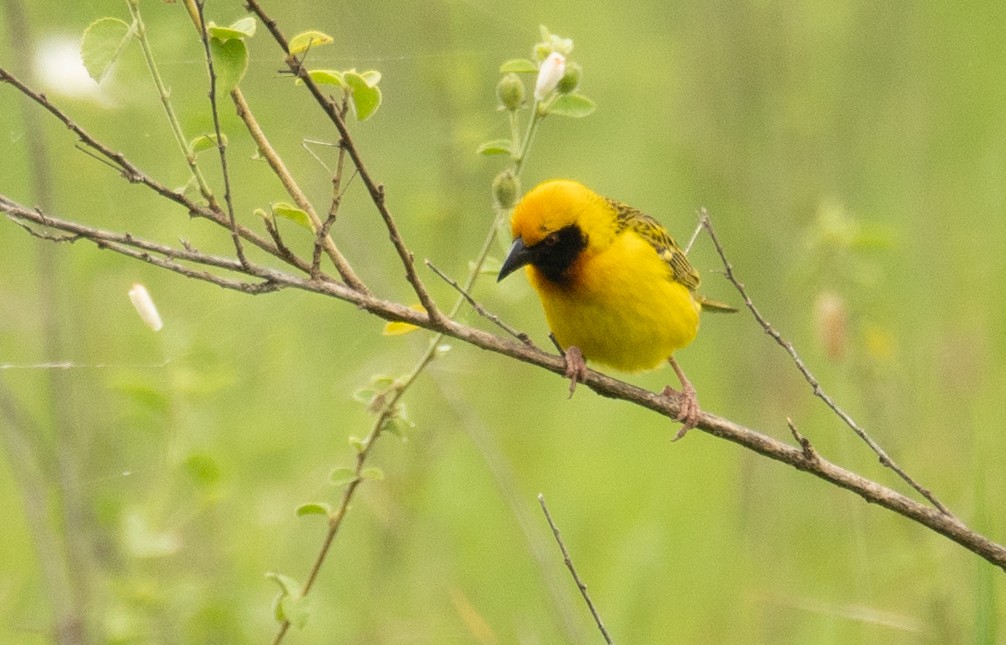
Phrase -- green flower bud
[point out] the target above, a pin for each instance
(570, 79)
(510, 91)
(506, 187)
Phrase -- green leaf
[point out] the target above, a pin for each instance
(296, 610)
(573, 105)
(372, 77)
(373, 473)
(101, 45)
(314, 508)
(325, 77)
(308, 40)
(230, 62)
(397, 427)
(519, 65)
(289, 604)
(243, 28)
(292, 213)
(366, 98)
(205, 142)
(342, 476)
(357, 443)
(287, 585)
(496, 147)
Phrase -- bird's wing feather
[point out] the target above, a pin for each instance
(656, 235)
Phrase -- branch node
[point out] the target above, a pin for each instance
(808, 450)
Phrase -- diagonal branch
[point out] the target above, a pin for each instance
(293, 189)
(809, 377)
(572, 570)
(376, 191)
(134, 175)
(808, 461)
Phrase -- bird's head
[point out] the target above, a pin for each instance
(556, 223)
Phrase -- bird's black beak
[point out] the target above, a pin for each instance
(519, 256)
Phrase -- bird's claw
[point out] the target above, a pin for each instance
(576, 367)
(688, 408)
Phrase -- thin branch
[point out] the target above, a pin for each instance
(331, 109)
(932, 518)
(576, 577)
(144, 250)
(293, 189)
(479, 309)
(134, 175)
(809, 377)
(169, 111)
(221, 147)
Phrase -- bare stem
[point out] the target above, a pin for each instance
(376, 191)
(809, 377)
(221, 147)
(293, 189)
(165, 95)
(479, 309)
(572, 569)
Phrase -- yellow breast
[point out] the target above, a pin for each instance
(621, 306)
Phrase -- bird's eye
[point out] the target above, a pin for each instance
(551, 239)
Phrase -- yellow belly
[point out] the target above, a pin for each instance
(621, 307)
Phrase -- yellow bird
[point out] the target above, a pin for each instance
(616, 288)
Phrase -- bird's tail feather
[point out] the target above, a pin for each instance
(715, 306)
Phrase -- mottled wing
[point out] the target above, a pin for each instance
(650, 230)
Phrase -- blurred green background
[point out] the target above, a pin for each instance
(853, 157)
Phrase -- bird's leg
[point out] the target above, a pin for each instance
(687, 400)
(576, 366)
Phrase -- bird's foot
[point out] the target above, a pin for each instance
(688, 402)
(576, 367)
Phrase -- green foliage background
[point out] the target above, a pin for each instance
(856, 149)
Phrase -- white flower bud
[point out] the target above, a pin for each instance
(549, 74)
(145, 306)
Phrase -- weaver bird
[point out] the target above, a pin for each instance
(616, 288)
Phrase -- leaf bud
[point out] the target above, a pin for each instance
(510, 91)
(506, 187)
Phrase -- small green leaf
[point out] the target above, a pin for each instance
(205, 142)
(573, 105)
(366, 98)
(243, 28)
(342, 476)
(519, 65)
(325, 77)
(289, 604)
(496, 147)
(296, 610)
(287, 585)
(230, 62)
(364, 395)
(101, 45)
(372, 77)
(292, 213)
(314, 508)
(357, 443)
(373, 473)
(398, 427)
(308, 40)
